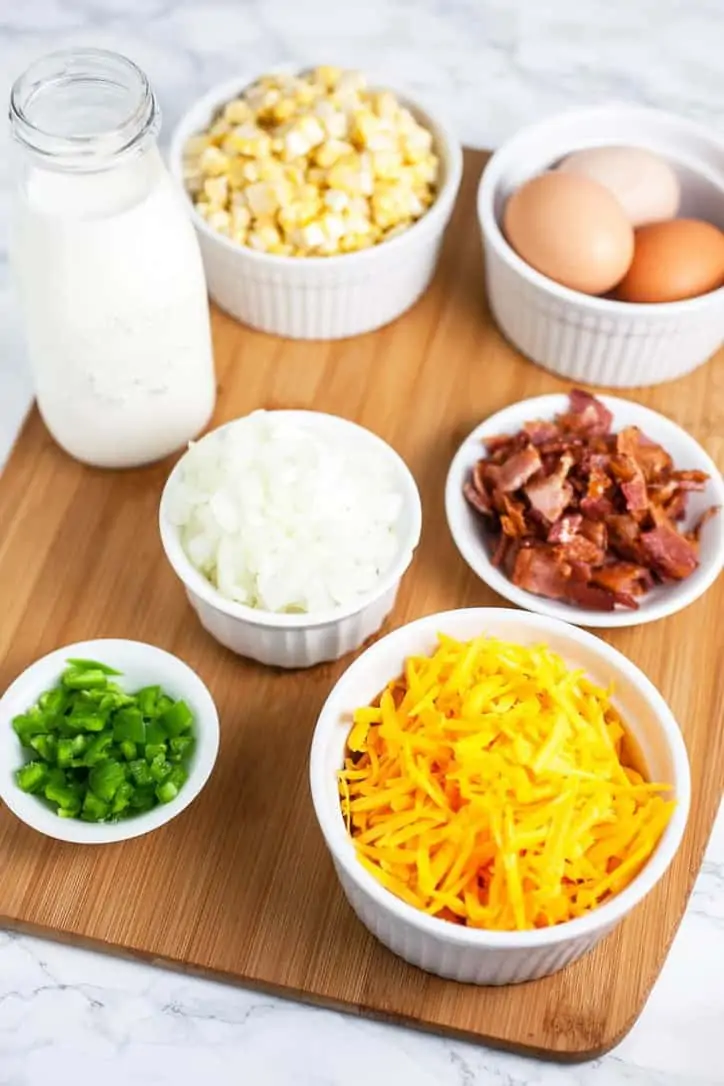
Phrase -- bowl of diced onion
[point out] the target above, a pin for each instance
(291, 531)
(497, 790)
(319, 200)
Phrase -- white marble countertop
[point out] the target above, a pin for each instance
(68, 1016)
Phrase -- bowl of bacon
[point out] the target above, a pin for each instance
(594, 510)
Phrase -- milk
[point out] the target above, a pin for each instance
(107, 265)
(116, 313)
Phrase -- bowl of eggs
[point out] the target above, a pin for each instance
(320, 201)
(603, 232)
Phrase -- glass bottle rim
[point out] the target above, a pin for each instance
(137, 121)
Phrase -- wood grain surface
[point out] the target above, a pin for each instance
(240, 886)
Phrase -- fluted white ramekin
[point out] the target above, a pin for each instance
(301, 640)
(597, 340)
(322, 297)
(466, 954)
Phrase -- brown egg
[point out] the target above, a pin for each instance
(571, 229)
(674, 260)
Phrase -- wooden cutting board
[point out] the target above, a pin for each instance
(240, 887)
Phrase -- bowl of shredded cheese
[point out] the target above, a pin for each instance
(290, 531)
(320, 199)
(497, 790)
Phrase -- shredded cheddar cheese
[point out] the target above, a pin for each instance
(492, 786)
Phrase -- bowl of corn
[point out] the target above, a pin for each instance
(497, 790)
(320, 201)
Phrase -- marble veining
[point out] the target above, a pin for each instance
(70, 1016)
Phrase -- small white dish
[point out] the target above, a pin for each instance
(322, 297)
(467, 530)
(449, 950)
(140, 665)
(300, 640)
(586, 339)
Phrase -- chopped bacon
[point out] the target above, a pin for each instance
(596, 531)
(513, 519)
(591, 596)
(501, 550)
(632, 481)
(478, 499)
(580, 514)
(580, 549)
(586, 414)
(565, 528)
(671, 554)
(516, 471)
(624, 577)
(537, 571)
(690, 480)
(540, 432)
(551, 494)
(653, 460)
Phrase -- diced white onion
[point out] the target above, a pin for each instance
(281, 517)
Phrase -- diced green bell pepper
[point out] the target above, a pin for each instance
(128, 749)
(129, 724)
(147, 699)
(155, 750)
(98, 749)
(160, 768)
(94, 809)
(181, 747)
(67, 796)
(168, 790)
(31, 777)
(92, 665)
(88, 678)
(140, 772)
(122, 798)
(46, 746)
(105, 779)
(178, 719)
(143, 799)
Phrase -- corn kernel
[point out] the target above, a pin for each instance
(218, 130)
(249, 139)
(213, 162)
(215, 191)
(195, 145)
(240, 220)
(262, 199)
(263, 237)
(219, 221)
(314, 164)
(328, 75)
(237, 111)
(331, 151)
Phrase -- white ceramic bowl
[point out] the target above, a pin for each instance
(597, 340)
(464, 954)
(467, 529)
(141, 665)
(321, 297)
(301, 640)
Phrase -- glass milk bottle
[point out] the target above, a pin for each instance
(107, 266)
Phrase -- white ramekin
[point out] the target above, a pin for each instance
(301, 640)
(464, 954)
(321, 297)
(596, 340)
(140, 665)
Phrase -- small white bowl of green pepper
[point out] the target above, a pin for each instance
(105, 740)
